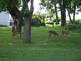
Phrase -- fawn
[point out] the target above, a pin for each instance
(52, 33)
(65, 33)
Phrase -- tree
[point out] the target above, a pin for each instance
(51, 4)
(72, 6)
(63, 12)
(27, 20)
(13, 9)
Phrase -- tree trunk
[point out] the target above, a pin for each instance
(74, 11)
(57, 22)
(27, 30)
(20, 24)
(15, 13)
(69, 15)
(63, 12)
(27, 21)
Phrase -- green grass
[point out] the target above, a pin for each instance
(42, 47)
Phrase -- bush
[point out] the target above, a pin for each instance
(35, 22)
(49, 22)
(3, 25)
(73, 26)
(42, 24)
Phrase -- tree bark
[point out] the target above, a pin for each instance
(27, 21)
(15, 13)
(69, 15)
(57, 22)
(63, 12)
(74, 11)
(27, 30)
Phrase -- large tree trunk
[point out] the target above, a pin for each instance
(27, 21)
(63, 12)
(27, 30)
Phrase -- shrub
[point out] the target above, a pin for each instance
(35, 22)
(73, 26)
(3, 25)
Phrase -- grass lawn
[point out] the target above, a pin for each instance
(42, 47)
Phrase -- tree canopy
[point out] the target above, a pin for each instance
(70, 5)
